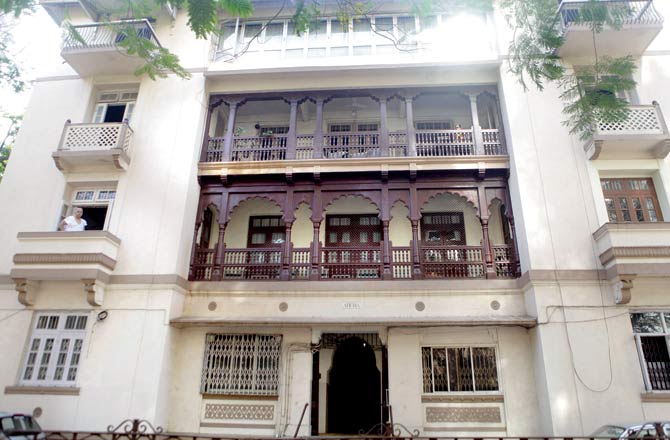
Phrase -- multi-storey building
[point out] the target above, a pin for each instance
(324, 232)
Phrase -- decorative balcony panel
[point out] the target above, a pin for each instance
(88, 257)
(642, 135)
(95, 50)
(631, 250)
(105, 146)
(640, 23)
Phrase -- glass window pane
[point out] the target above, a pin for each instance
(440, 381)
(460, 369)
(646, 322)
(427, 363)
(657, 359)
(363, 237)
(318, 33)
(332, 237)
(339, 32)
(346, 237)
(485, 370)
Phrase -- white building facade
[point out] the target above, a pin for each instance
(323, 233)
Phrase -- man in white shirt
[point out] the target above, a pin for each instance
(73, 222)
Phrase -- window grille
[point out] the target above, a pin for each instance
(631, 200)
(243, 364)
(652, 336)
(459, 369)
(54, 350)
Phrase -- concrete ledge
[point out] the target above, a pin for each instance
(60, 235)
(656, 397)
(66, 258)
(237, 397)
(54, 391)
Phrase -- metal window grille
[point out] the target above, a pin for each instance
(459, 369)
(242, 364)
(652, 336)
(54, 349)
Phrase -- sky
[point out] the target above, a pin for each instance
(36, 38)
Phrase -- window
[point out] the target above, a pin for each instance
(652, 336)
(54, 349)
(459, 369)
(446, 228)
(97, 205)
(114, 107)
(433, 125)
(631, 200)
(243, 364)
(353, 230)
(266, 231)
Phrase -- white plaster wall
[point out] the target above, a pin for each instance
(123, 358)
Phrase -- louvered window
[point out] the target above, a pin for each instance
(54, 349)
(459, 369)
(652, 336)
(243, 364)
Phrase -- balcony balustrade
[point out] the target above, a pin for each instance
(642, 135)
(637, 24)
(95, 49)
(444, 262)
(91, 145)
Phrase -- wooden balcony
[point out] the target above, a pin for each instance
(639, 24)
(642, 135)
(421, 227)
(94, 49)
(447, 262)
(424, 123)
(94, 146)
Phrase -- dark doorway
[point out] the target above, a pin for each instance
(115, 113)
(354, 389)
(95, 217)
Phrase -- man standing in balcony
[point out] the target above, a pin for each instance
(73, 222)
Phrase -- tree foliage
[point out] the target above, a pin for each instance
(8, 140)
(590, 93)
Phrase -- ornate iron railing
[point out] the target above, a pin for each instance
(96, 137)
(624, 12)
(106, 35)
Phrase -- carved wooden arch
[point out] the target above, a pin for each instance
(468, 195)
(235, 200)
(491, 202)
(330, 197)
(207, 200)
(402, 197)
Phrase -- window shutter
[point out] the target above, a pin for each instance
(99, 114)
(128, 114)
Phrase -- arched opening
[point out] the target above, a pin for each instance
(354, 389)
(352, 239)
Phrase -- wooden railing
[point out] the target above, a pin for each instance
(337, 263)
(445, 143)
(347, 145)
(452, 261)
(353, 145)
(106, 35)
(354, 263)
(96, 137)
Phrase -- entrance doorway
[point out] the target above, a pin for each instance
(349, 379)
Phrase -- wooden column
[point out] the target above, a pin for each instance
(476, 127)
(318, 132)
(486, 243)
(292, 137)
(416, 250)
(383, 127)
(221, 245)
(286, 251)
(205, 137)
(315, 251)
(230, 130)
(411, 134)
(387, 274)
(194, 248)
